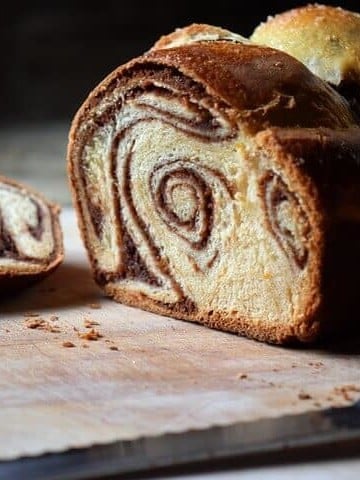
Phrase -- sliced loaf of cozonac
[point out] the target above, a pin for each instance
(217, 181)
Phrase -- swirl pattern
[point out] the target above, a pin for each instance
(287, 219)
(26, 231)
(177, 187)
(168, 196)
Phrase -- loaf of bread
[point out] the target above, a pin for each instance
(325, 38)
(216, 181)
(31, 243)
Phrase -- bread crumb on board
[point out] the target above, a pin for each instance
(92, 334)
(33, 321)
(88, 323)
(304, 396)
(39, 323)
(346, 391)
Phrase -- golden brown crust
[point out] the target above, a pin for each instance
(226, 321)
(263, 86)
(325, 38)
(12, 278)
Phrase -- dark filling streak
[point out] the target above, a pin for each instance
(192, 165)
(97, 217)
(8, 247)
(135, 266)
(202, 130)
(174, 122)
(37, 230)
(205, 204)
(274, 192)
(203, 121)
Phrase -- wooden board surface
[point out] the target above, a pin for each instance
(146, 374)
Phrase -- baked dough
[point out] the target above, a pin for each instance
(208, 180)
(31, 243)
(196, 32)
(326, 39)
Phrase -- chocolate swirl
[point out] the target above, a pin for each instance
(184, 200)
(286, 218)
(179, 186)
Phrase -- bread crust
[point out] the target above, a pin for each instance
(263, 86)
(325, 38)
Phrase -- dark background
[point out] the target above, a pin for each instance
(53, 53)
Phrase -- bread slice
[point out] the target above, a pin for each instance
(325, 38)
(30, 236)
(209, 179)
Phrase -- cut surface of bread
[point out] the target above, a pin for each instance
(325, 38)
(201, 175)
(30, 236)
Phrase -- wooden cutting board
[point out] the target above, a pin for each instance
(144, 374)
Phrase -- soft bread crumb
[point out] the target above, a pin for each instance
(88, 323)
(92, 335)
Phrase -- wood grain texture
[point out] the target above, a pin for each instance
(165, 375)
